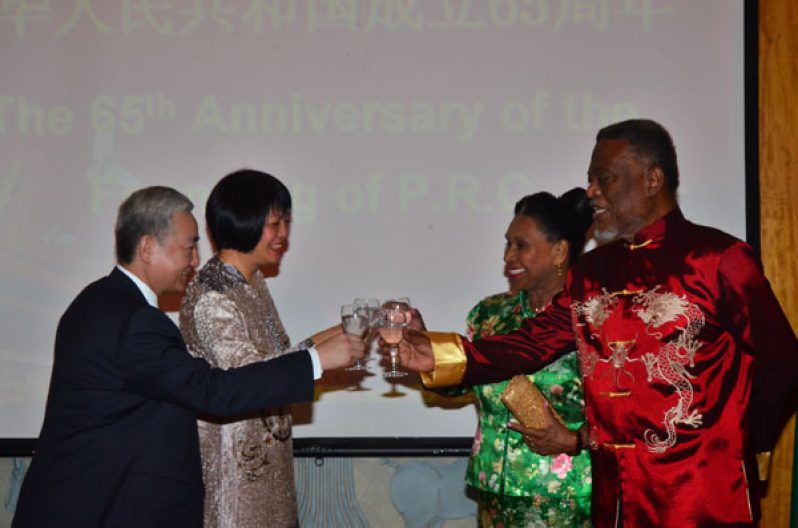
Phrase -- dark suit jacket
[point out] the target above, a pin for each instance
(119, 445)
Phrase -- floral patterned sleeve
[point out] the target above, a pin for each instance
(222, 331)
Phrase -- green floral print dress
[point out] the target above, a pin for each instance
(518, 488)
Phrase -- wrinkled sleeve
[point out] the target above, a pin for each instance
(539, 341)
(473, 331)
(223, 333)
(450, 359)
(153, 361)
(751, 311)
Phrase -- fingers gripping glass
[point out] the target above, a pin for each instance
(399, 303)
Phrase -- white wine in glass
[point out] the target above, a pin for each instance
(371, 305)
(355, 324)
(355, 321)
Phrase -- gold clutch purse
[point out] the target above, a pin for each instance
(526, 402)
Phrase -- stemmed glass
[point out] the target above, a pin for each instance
(355, 320)
(372, 307)
(399, 303)
(391, 323)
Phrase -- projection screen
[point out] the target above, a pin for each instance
(406, 130)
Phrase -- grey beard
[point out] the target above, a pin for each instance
(602, 236)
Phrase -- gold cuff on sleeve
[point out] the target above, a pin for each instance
(763, 464)
(450, 360)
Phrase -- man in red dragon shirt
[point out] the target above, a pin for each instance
(690, 367)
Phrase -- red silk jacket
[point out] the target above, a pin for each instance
(689, 367)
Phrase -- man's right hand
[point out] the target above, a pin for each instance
(415, 351)
(416, 320)
(340, 351)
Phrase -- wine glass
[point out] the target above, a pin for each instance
(400, 303)
(372, 307)
(391, 323)
(355, 320)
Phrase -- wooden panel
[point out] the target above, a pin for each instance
(778, 151)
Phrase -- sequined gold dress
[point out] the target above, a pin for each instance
(247, 461)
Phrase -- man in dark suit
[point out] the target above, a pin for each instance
(119, 446)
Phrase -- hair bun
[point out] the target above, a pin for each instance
(580, 212)
(567, 217)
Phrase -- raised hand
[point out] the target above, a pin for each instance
(340, 350)
(416, 321)
(415, 351)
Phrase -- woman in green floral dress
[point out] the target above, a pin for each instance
(516, 487)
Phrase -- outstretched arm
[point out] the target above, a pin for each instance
(154, 363)
(448, 359)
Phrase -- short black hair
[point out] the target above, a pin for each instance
(238, 205)
(565, 218)
(650, 142)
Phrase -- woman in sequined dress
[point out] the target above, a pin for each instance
(228, 317)
(515, 486)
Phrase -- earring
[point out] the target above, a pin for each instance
(559, 270)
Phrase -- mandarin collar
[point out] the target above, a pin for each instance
(523, 300)
(216, 267)
(654, 233)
